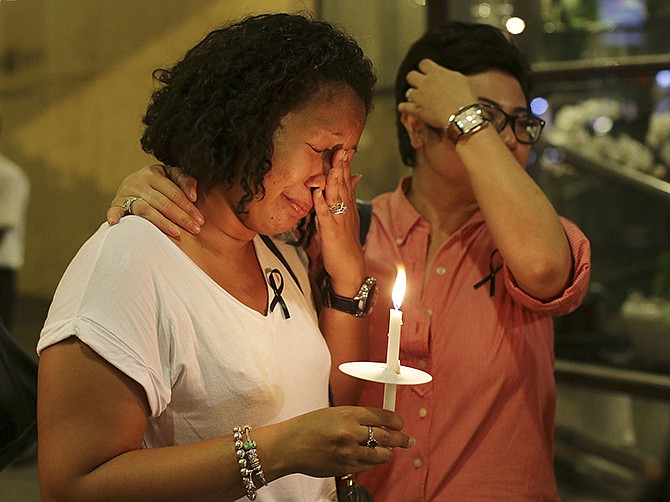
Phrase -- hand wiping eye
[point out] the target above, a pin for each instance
(327, 158)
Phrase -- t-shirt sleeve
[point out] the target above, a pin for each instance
(108, 298)
(574, 293)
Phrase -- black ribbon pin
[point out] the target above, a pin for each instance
(276, 281)
(492, 275)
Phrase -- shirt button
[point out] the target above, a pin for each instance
(417, 462)
(429, 312)
(440, 270)
(423, 412)
(421, 364)
(398, 241)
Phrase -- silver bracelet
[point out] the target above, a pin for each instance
(247, 458)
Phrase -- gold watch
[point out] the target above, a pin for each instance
(468, 120)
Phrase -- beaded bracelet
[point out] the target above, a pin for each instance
(247, 458)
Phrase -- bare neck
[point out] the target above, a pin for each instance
(223, 233)
(443, 204)
(225, 251)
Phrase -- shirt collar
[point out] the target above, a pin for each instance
(405, 215)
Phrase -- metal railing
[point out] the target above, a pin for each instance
(610, 378)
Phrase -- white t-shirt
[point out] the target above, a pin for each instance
(206, 361)
(14, 193)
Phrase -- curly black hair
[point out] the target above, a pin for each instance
(467, 48)
(216, 111)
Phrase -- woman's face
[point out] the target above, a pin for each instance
(303, 145)
(491, 86)
(504, 90)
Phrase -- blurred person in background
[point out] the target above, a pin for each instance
(14, 194)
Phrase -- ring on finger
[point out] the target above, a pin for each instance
(371, 442)
(338, 208)
(409, 92)
(128, 205)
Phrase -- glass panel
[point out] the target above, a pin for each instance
(563, 30)
(604, 163)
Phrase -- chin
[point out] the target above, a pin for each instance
(274, 228)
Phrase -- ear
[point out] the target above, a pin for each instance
(416, 130)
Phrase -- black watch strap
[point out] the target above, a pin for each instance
(359, 306)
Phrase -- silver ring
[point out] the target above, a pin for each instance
(371, 442)
(128, 205)
(338, 208)
(409, 92)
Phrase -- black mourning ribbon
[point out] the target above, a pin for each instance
(276, 281)
(492, 275)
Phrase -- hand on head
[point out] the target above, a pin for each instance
(435, 93)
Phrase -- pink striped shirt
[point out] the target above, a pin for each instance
(484, 425)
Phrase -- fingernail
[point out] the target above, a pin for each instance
(411, 442)
(193, 195)
(200, 219)
(194, 229)
(173, 230)
(345, 154)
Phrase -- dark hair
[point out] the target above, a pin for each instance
(467, 48)
(218, 108)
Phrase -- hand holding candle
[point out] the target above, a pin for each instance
(391, 373)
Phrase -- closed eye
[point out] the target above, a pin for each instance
(315, 149)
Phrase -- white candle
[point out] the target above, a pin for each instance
(393, 347)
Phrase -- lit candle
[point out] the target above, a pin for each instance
(393, 347)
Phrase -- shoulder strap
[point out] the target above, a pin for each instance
(273, 247)
(365, 213)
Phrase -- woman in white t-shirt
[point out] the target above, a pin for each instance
(188, 367)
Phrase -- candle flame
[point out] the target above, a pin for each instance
(399, 288)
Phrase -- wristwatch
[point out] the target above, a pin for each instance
(360, 305)
(467, 120)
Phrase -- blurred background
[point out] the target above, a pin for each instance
(75, 77)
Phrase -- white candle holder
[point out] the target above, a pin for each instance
(390, 373)
(381, 373)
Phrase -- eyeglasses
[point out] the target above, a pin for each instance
(526, 126)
